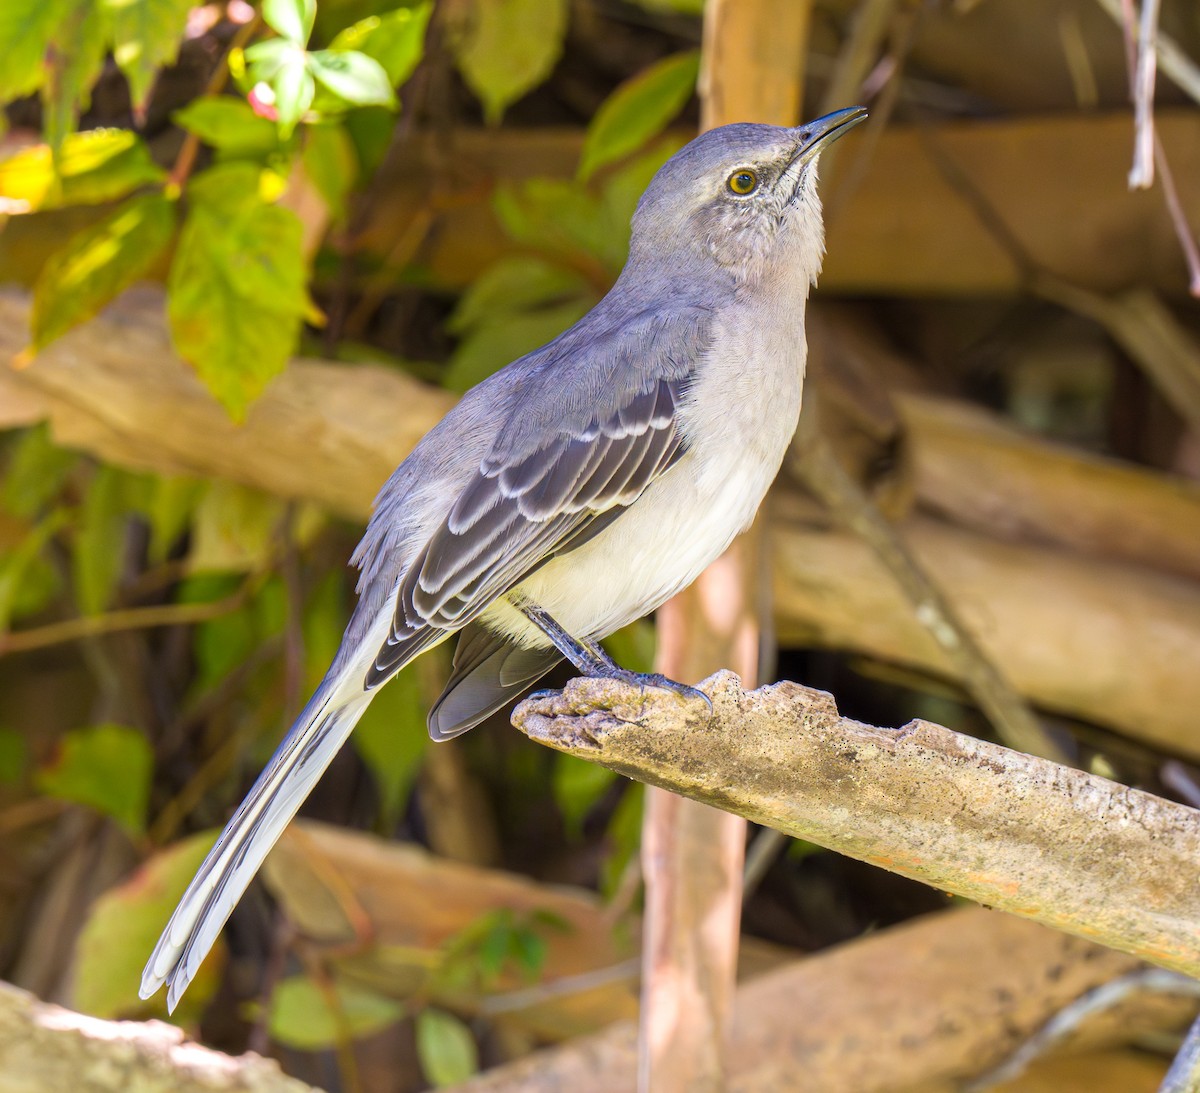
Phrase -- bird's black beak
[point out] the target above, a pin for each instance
(817, 135)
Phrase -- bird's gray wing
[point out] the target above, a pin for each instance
(577, 450)
(489, 673)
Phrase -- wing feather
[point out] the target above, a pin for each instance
(519, 512)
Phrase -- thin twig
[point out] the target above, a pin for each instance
(132, 618)
(1141, 175)
(813, 461)
(190, 148)
(1174, 62)
(1066, 1022)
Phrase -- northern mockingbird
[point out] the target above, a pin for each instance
(575, 490)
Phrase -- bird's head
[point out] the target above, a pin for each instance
(743, 196)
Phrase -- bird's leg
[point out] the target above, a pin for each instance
(591, 659)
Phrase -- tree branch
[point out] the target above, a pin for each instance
(1006, 829)
(45, 1048)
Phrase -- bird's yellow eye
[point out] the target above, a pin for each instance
(742, 182)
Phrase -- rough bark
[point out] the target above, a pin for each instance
(936, 1000)
(46, 1049)
(1006, 829)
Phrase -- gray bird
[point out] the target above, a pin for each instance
(577, 489)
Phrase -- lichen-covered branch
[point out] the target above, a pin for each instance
(46, 1049)
(1009, 830)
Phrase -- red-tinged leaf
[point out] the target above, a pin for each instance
(100, 263)
(236, 290)
(106, 767)
(121, 929)
(93, 167)
(639, 110)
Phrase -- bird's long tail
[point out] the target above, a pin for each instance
(315, 738)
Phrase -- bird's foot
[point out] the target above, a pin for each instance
(643, 680)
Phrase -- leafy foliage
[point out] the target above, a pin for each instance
(123, 926)
(445, 1047)
(639, 110)
(505, 48)
(237, 292)
(301, 109)
(106, 767)
(312, 1016)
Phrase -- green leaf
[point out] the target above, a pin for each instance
(445, 1048)
(93, 167)
(237, 285)
(302, 1016)
(291, 18)
(505, 48)
(14, 756)
(26, 27)
(353, 77)
(513, 284)
(395, 39)
(234, 528)
(145, 36)
(100, 263)
(624, 837)
(578, 786)
(106, 767)
(73, 64)
(392, 738)
(122, 927)
(27, 580)
(294, 89)
(492, 345)
(561, 217)
(228, 124)
(331, 165)
(96, 559)
(35, 474)
(170, 505)
(639, 110)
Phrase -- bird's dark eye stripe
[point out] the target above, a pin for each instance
(742, 182)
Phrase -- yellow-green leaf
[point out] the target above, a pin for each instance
(303, 1016)
(639, 110)
(145, 36)
(26, 27)
(122, 927)
(353, 77)
(106, 767)
(505, 48)
(73, 64)
(93, 167)
(291, 18)
(228, 124)
(99, 264)
(236, 289)
(395, 39)
(446, 1048)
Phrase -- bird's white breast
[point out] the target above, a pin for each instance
(738, 419)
